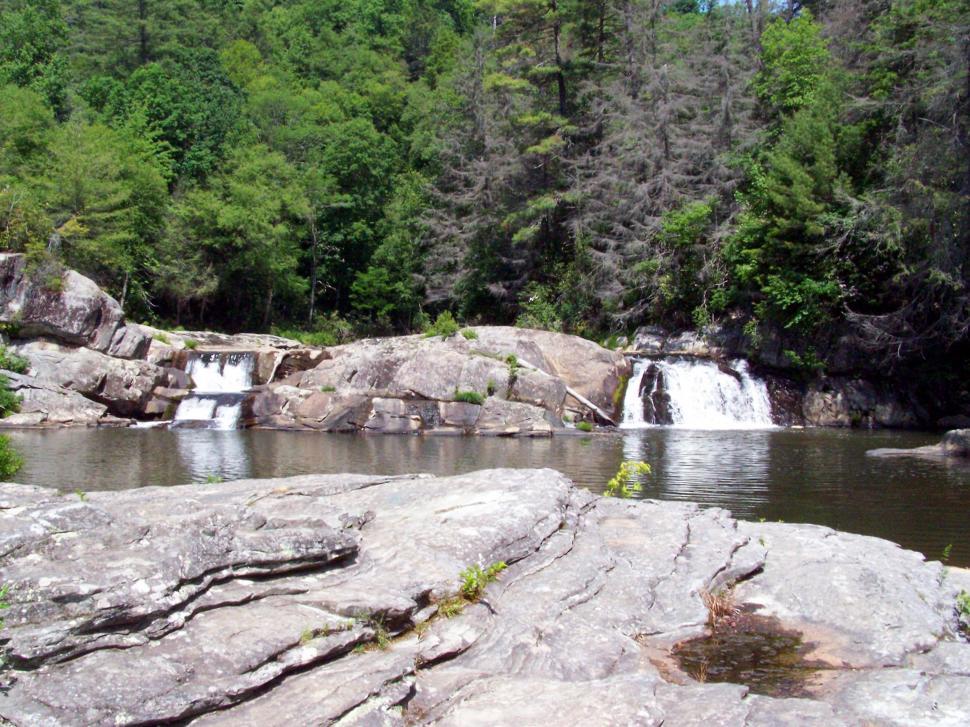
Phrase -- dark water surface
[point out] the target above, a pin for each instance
(817, 476)
(754, 651)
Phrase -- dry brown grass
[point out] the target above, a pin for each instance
(720, 606)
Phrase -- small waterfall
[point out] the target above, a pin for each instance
(221, 380)
(695, 394)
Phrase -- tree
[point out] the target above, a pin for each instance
(105, 190)
(31, 36)
(247, 220)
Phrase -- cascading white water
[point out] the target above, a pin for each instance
(221, 372)
(220, 380)
(701, 395)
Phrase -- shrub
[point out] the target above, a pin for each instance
(584, 426)
(328, 389)
(474, 579)
(10, 459)
(625, 483)
(491, 388)
(12, 362)
(469, 334)
(469, 397)
(191, 344)
(327, 331)
(9, 401)
(212, 479)
(161, 337)
(444, 325)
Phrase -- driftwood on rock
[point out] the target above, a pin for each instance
(320, 600)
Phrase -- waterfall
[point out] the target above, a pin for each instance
(221, 380)
(695, 394)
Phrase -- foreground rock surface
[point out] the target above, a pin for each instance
(263, 601)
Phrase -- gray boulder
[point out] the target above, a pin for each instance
(49, 405)
(320, 600)
(413, 384)
(72, 308)
(124, 386)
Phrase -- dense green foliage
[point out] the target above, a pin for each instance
(580, 166)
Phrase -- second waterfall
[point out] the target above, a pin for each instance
(695, 393)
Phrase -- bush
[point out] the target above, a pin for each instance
(444, 325)
(191, 344)
(12, 362)
(10, 459)
(9, 401)
(161, 337)
(625, 483)
(469, 397)
(327, 331)
(539, 309)
(584, 426)
(469, 334)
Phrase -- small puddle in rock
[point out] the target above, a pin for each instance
(751, 650)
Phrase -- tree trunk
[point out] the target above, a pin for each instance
(313, 268)
(268, 310)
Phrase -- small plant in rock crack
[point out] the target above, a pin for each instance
(469, 397)
(452, 607)
(720, 606)
(4, 605)
(625, 482)
(963, 603)
(382, 637)
(212, 479)
(474, 579)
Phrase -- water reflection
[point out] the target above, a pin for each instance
(819, 476)
(209, 452)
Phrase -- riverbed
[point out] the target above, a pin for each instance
(817, 476)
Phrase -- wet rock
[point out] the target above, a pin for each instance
(268, 601)
(654, 396)
(956, 443)
(839, 402)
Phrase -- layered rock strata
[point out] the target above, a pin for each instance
(323, 600)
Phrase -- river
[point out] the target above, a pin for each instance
(815, 475)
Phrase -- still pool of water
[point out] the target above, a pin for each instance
(817, 476)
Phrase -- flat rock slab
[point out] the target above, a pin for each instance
(315, 600)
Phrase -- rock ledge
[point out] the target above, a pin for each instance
(262, 601)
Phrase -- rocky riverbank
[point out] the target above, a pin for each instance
(331, 600)
(89, 367)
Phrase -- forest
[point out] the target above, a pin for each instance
(331, 168)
